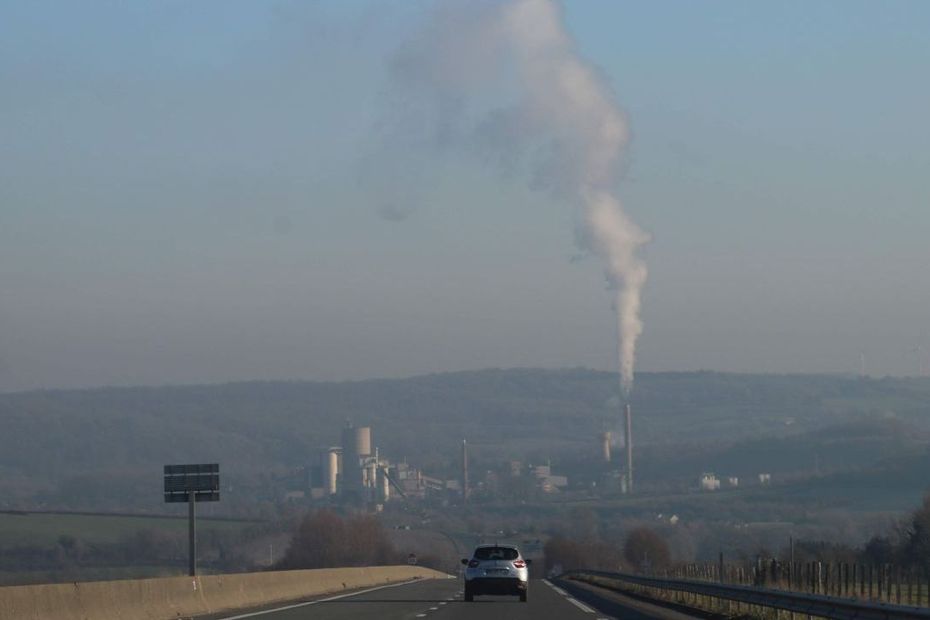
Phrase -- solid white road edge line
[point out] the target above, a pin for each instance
(322, 600)
(555, 587)
(580, 605)
(575, 602)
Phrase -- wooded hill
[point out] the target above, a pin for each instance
(104, 448)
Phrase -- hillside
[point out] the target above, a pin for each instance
(104, 448)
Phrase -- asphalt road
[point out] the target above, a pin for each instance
(441, 599)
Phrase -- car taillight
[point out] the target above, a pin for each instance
(519, 564)
(473, 564)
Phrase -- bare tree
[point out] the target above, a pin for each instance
(644, 548)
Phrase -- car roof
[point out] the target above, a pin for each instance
(497, 546)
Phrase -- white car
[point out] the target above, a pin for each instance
(496, 569)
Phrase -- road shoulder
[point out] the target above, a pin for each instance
(620, 605)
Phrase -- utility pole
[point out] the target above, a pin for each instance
(192, 533)
(464, 471)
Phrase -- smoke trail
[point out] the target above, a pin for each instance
(565, 122)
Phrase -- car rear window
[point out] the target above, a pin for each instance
(496, 553)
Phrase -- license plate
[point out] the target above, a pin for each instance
(498, 571)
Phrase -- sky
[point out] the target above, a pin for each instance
(220, 190)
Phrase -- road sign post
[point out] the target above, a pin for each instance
(192, 484)
(192, 534)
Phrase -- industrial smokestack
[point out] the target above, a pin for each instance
(628, 418)
(464, 471)
(605, 446)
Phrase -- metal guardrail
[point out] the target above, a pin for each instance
(810, 604)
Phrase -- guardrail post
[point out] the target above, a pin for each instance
(882, 581)
(889, 582)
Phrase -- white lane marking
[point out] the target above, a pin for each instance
(555, 587)
(433, 608)
(322, 600)
(580, 605)
(443, 603)
(559, 590)
(421, 615)
(571, 600)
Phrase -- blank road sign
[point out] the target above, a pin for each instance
(203, 480)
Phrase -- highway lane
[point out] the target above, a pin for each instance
(441, 599)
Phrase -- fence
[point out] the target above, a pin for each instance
(878, 583)
(753, 600)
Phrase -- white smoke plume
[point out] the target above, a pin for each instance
(564, 122)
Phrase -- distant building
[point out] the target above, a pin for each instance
(709, 482)
(765, 479)
(733, 481)
(552, 484)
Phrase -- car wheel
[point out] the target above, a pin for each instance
(523, 596)
(469, 597)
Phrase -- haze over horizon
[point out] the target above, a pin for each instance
(207, 192)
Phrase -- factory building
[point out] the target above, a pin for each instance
(709, 482)
(352, 472)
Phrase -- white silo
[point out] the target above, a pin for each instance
(605, 438)
(330, 470)
(363, 441)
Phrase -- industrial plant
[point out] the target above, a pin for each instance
(357, 473)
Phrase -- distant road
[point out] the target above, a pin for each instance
(441, 599)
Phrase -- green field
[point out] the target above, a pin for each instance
(43, 529)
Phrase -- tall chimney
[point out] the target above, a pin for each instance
(464, 471)
(628, 416)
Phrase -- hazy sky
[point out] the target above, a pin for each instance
(203, 191)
